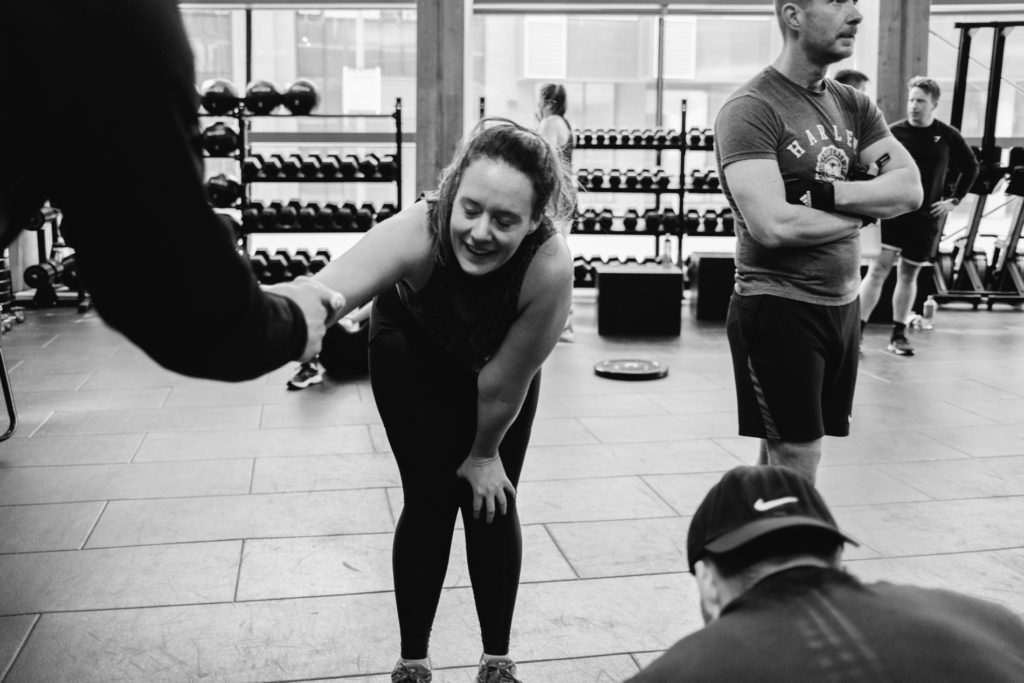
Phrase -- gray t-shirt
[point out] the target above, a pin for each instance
(812, 135)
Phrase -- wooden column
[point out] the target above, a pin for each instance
(902, 52)
(442, 33)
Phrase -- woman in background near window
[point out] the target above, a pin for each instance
(557, 130)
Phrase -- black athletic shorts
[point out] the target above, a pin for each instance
(795, 365)
(916, 239)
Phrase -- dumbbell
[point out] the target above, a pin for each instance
(613, 261)
(694, 138)
(630, 261)
(259, 262)
(604, 219)
(672, 137)
(580, 266)
(583, 177)
(325, 216)
(589, 220)
(691, 222)
(645, 179)
(251, 167)
(386, 211)
(319, 261)
(614, 178)
(710, 220)
(636, 138)
(219, 140)
(288, 215)
(709, 138)
(711, 180)
(251, 216)
(308, 215)
(330, 166)
(728, 223)
(349, 166)
(660, 138)
(277, 265)
(269, 215)
(273, 166)
(364, 216)
(291, 167)
(345, 216)
(223, 190)
(648, 137)
(612, 137)
(597, 178)
(697, 180)
(299, 263)
(369, 164)
(630, 219)
(669, 220)
(588, 136)
(311, 166)
(631, 178)
(388, 167)
(652, 220)
(661, 179)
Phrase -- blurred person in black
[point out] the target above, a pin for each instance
(101, 119)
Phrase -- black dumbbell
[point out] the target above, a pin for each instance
(648, 137)
(579, 270)
(600, 137)
(614, 178)
(319, 261)
(349, 166)
(223, 190)
(330, 166)
(710, 220)
(325, 216)
(220, 140)
(709, 138)
(364, 216)
(268, 216)
(636, 138)
(697, 180)
(369, 164)
(661, 179)
(583, 177)
(645, 179)
(273, 166)
(251, 216)
(259, 262)
(631, 179)
(277, 265)
(311, 166)
(691, 222)
(589, 220)
(630, 261)
(388, 167)
(251, 167)
(630, 219)
(308, 215)
(652, 220)
(613, 261)
(711, 180)
(299, 263)
(588, 136)
(597, 178)
(386, 211)
(695, 138)
(345, 217)
(660, 138)
(728, 223)
(612, 137)
(672, 137)
(291, 168)
(288, 215)
(669, 219)
(604, 219)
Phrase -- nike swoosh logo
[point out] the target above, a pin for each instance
(762, 505)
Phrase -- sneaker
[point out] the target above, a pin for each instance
(499, 671)
(308, 374)
(900, 346)
(405, 673)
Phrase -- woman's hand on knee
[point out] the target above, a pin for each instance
(491, 487)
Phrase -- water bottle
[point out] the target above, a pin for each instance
(665, 258)
(928, 314)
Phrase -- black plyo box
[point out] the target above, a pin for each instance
(639, 300)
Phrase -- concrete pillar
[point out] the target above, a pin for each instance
(902, 52)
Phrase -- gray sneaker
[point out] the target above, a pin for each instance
(499, 671)
(410, 673)
(900, 346)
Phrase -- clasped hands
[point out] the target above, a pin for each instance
(321, 307)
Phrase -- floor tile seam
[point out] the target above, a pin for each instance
(41, 424)
(561, 552)
(192, 497)
(911, 556)
(132, 459)
(659, 496)
(95, 523)
(238, 572)
(930, 501)
(86, 549)
(4, 673)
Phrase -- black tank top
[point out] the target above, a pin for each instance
(468, 316)
(566, 149)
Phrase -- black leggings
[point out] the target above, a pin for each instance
(428, 406)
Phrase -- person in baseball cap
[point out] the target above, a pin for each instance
(778, 607)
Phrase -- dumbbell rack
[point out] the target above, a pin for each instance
(676, 188)
(245, 120)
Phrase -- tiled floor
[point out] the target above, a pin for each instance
(159, 528)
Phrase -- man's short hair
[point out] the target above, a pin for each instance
(776, 548)
(778, 13)
(851, 77)
(927, 85)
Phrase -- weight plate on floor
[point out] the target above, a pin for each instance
(633, 369)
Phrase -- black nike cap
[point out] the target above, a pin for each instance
(749, 502)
